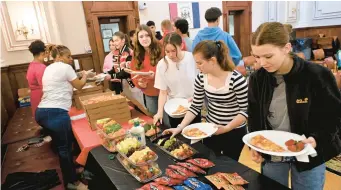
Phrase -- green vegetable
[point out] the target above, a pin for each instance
(169, 143)
(146, 127)
(112, 128)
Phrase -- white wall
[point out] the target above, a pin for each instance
(67, 26)
(258, 13)
(159, 11)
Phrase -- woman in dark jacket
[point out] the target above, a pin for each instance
(290, 94)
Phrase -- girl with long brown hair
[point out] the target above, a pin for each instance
(226, 92)
(290, 94)
(147, 53)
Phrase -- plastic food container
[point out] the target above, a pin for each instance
(139, 152)
(181, 158)
(147, 172)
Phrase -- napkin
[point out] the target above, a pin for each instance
(77, 117)
(305, 157)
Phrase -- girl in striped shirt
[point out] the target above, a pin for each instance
(226, 92)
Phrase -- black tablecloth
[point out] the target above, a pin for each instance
(110, 174)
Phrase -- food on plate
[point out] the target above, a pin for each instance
(181, 109)
(101, 98)
(294, 146)
(128, 146)
(182, 170)
(143, 173)
(194, 132)
(175, 174)
(176, 148)
(149, 129)
(234, 178)
(217, 180)
(191, 167)
(143, 156)
(154, 186)
(194, 183)
(201, 162)
(263, 143)
(165, 180)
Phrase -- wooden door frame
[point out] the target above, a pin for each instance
(93, 28)
(246, 16)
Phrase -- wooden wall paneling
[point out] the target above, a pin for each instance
(7, 93)
(315, 31)
(86, 61)
(113, 6)
(4, 116)
(91, 33)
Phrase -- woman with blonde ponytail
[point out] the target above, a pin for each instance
(226, 93)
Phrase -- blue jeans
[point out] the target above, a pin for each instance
(57, 123)
(151, 103)
(307, 180)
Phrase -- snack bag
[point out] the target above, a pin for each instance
(234, 179)
(201, 162)
(195, 184)
(154, 186)
(165, 180)
(218, 180)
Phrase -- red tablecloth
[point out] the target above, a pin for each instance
(88, 139)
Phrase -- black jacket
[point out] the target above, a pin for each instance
(314, 107)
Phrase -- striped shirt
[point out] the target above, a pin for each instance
(225, 103)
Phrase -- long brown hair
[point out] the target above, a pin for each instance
(217, 49)
(124, 36)
(173, 39)
(273, 33)
(140, 52)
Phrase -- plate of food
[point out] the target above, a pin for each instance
(177, 107)
(276, 143)
(199, 131)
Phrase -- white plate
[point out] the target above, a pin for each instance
(207, 128)
(141, 73)
(172, 105)
(278, 137)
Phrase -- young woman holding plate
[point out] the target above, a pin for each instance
(226, 92)
(290, 94)
(175, 76)
(147, 53)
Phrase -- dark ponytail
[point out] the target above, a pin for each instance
(124, 36)
(173, 39)
(217, 49)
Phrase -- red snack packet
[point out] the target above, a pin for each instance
(174, 174)
(165, 180)
(154, 186)
(191, 167)
(201, 162)
(234, 179)
(183, 170)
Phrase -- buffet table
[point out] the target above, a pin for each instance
(110, 174)
(88, 139)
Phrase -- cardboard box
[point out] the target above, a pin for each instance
(116, 109)
(88, 89)
(24, 92)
